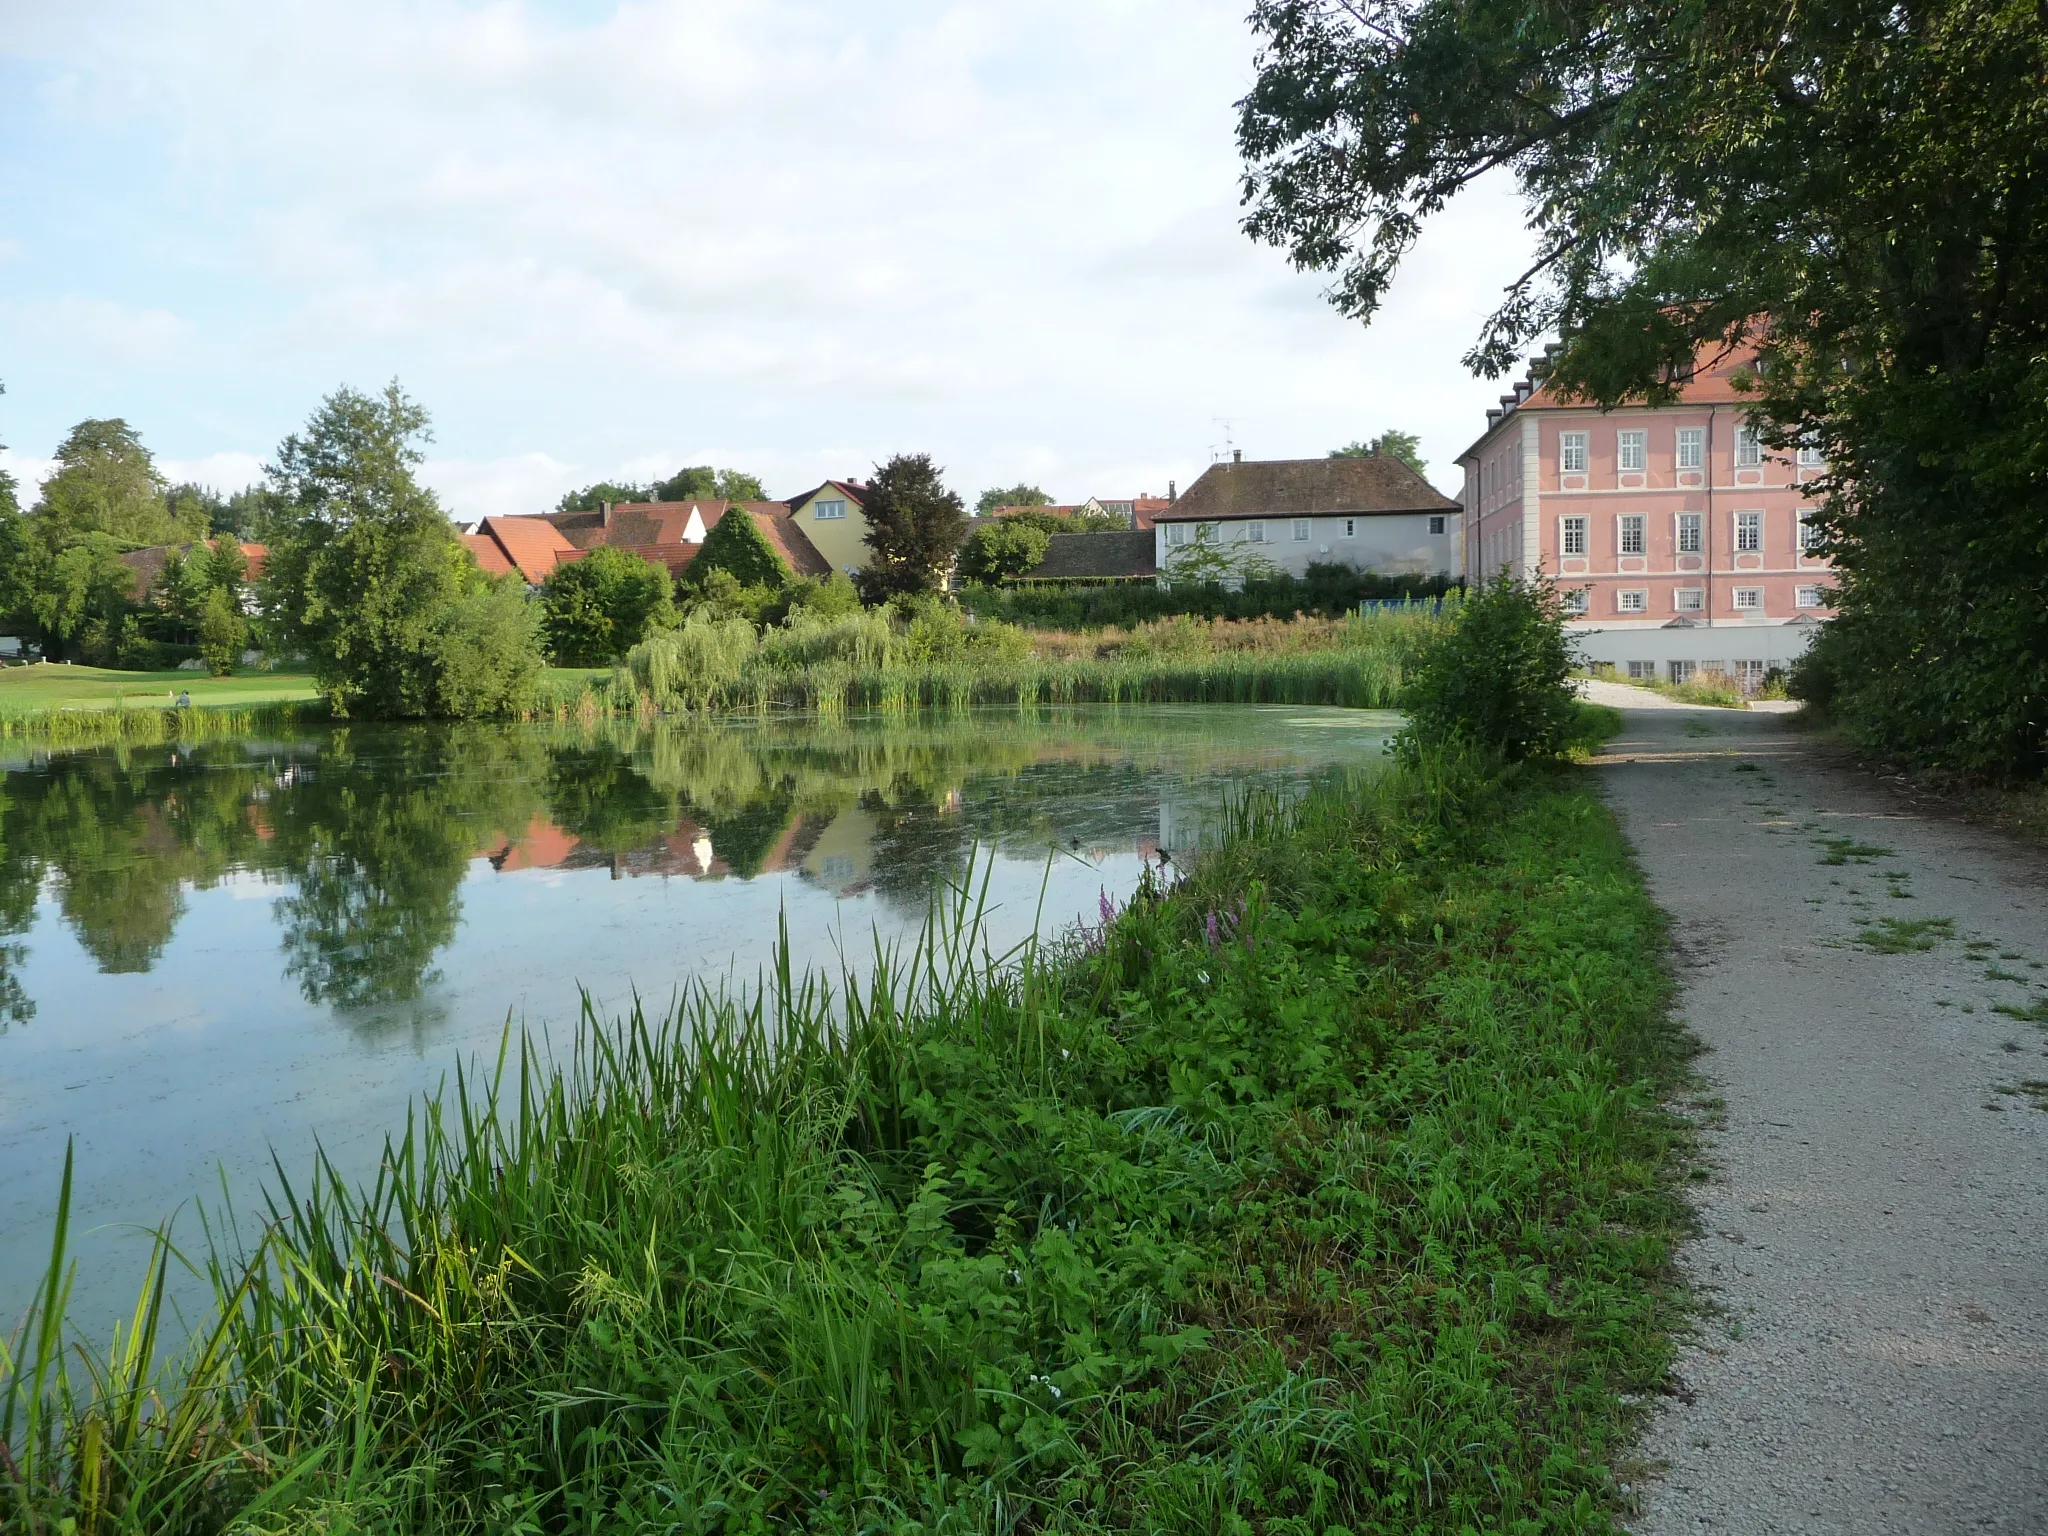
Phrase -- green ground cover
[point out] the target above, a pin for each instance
(40, 687)
(1327, 1191)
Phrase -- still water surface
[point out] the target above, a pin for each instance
(210, 951)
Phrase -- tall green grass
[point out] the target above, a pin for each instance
(1323, 1190)
(152, 725)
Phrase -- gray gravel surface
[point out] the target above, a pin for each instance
(1875, 1241)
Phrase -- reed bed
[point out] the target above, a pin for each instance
(153, 724)
(1325, 1188)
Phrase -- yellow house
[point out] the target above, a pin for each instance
(832, 519)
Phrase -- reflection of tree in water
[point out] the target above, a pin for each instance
(744, 837)
(18, 879)
(379, 839)
(596, 795)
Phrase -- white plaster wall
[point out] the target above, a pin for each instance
(1388, 544)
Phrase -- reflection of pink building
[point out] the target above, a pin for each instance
(1681, 543)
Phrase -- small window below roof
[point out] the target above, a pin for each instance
(822, 510)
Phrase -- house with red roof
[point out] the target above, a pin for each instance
(664, 533)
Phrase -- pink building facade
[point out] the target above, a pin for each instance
(1681, 543)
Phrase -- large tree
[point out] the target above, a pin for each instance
(366, 576)
(1861, 191)
(1010, 496)
(596, 609)
(106, 482)
(915, 527)
(1390, 444)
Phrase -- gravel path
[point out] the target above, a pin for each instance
(1877, 1239)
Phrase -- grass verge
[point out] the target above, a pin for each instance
(1327, 1191)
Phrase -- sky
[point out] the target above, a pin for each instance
(604, 241)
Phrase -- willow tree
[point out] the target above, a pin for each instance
(1857, 190)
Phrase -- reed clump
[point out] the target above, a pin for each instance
(1324, 1188)
(154, 725)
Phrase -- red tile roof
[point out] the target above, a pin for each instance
(493, 559)
(533, 545)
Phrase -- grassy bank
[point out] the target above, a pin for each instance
(1325, 1191)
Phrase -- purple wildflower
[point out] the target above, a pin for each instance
(1209, 929)
(1106, 907)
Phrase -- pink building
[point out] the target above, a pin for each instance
(1681, 543)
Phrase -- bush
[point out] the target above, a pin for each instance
(684, 668)
(486, 652)
(997, 551)
(222, 633)
(596, 609)
(1499, 678)
(861, 639)
(738, 547)
(1329, 591)
(832, 598)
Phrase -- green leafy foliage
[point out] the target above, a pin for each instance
(997, 551)
(1499, 678)
(1010, 496)
(487, 654)
(223, 632)
(915, 528)
(596, 609)
(365, 573)
(738, 547)
(1392, 444)
(106, 482)
(1326, 590)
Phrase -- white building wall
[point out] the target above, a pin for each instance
(1385, 543)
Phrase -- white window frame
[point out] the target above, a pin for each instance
(1749, 448)
(1681, 672)
(1632, 450)
(1574, 452)
(1206, 533)
(1809, 531)
(1749, 674)
(1176, 535)
(1689, 600)
(1749, 533)
(1571, 531)
(1577, 601)
(1748, 599)
(1302, 530)
(1350, 527)
(1255, 531)
(1690, 533)
(1632, 600)
(1807, 597)
(1692, 447)
(1809, 456)
(827, 511)
(1642, 671)
(1437, 524)
(1631, 527)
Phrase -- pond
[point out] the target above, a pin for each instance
(212, 950)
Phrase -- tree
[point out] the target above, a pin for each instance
(592, 498)
(106, 482)
(1003, 549)
(1010, 496)
(487, 657)
(1855, 190)
(596, 609)
(737, 545)
(703, 483)
(223, 632)
(1405, 446)
(364, 569)
(915, 526)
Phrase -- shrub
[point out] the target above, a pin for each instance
(222, 633)
(684, 668)
(1003, 549)
(596, 609)
(1498, 678)
(861, 639)
(738, 547)
(831, 598)
(486, 652)
(1327, 590)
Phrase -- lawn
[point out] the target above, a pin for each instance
(71, 687)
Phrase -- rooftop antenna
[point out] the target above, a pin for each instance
(1228, 447)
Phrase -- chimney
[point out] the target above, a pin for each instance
(1237, 455)
(1172, 494)
(605, 521)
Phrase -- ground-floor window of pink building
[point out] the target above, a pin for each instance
(1749, 599)
(1689, 599)
(1808, 597)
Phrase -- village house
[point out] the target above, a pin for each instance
(664, 533)
(1681, 544)
(1284, 515)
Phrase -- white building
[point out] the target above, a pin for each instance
(1284, 515)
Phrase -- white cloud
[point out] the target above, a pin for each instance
(816, 233)
(29, 473)
(115, 331)
(223, 472)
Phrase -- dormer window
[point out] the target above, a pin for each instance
(824, 509)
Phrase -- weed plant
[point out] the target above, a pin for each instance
(1325, 1189)
(154, 724)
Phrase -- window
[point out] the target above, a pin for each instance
(1642, 671)
(1573, 535)
(1691, 532)
(1633, 601)
(1809, 455)
(1630, 533)
(1808, 597)
(1301, 530)
(1176, 535)
(1632, 450)
(1350, 527)
(1255, 531)
(1809, 532)
(1692, 447)
(1749, 532)
(1749, 450)
(1681, 672)
(821, 510)
(1436, 524)
(1750, 674)
(1749, 599)
(1578, 600)
(1205, 533)
(1690, 599)
(1571, 452)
